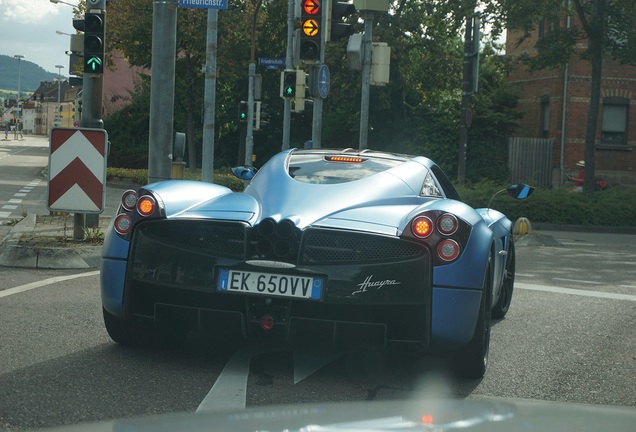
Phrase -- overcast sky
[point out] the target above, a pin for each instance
(27, 27)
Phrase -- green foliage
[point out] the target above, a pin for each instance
(417, 112)
(222, 176)
(612, 207)
(128, 130)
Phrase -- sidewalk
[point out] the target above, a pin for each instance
(46, 241)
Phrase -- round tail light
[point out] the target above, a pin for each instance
(129, 199)
(422, 226)
(447, 224)
(146, 205)
(122, 224)
(448, 250)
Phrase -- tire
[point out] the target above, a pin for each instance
(471, 361)
(507, 285)
(117, 329)
(139, 334)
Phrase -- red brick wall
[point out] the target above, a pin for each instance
(618, 81)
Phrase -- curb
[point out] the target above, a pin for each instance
(12, 254)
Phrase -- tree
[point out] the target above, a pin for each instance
(607, 26)
(417, 112)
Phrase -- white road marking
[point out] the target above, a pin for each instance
(565, 243)
(9, 207)
(45, 282)
(628, 286)
(524, 275)
(230, 389)
(5, 214)
(579, 281)
(605, 295)
(14, 201)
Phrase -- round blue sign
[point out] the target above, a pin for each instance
(323, 81)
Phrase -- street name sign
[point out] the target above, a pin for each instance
(204, 4)
(77, 170)
(272, 63)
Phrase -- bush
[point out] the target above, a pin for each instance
(223, 177)
(612, 207)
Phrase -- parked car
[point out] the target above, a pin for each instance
(324, 247)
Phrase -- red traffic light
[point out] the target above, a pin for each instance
(311, 7)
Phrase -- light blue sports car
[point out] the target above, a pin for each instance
(332, 248)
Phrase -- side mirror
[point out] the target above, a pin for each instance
(244, 172)
(520, 191)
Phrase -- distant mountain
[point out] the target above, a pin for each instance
(30, 74)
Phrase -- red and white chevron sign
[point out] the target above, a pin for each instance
(77, 170)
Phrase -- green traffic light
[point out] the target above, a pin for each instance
(94, 62)
(289, 91)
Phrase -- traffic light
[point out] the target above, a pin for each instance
(336, 11)
(242, 111)
(288, 84)
(94, 26)
(310, 24)
(261, 118)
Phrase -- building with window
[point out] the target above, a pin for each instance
(555, 104)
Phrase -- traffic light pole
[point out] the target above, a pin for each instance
(92, 94)
(288, 65)
(316, 131)
(249, 139)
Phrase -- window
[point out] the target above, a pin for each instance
(614, 125)
(545, 116)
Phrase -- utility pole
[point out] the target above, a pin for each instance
(162, 87)
(209, 102)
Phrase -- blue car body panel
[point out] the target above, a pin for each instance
(364, 224)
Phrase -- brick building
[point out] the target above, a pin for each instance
(555, 103)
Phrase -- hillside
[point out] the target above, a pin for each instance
(30, 74)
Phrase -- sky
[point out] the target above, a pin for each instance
(27, 27)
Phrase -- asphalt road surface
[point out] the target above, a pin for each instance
(569, 336)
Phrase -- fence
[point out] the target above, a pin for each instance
(530, 161)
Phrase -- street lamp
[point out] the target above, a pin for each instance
(58, 119)
(19, 57)
(62, 33)
(63, 2)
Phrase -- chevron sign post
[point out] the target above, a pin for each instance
(77, 170)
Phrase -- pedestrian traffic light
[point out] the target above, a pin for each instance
(335, 28)
(261, 117)
(288, 84)
(94, 26)
(242, 111)
(310, 24)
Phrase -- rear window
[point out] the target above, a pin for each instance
(337, 168)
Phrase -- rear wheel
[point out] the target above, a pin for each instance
(507, 285)
(471, 360)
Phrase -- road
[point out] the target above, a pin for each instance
(565, 339)
(569, 336)
(22, 184)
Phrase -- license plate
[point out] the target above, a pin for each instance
(269, 284)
